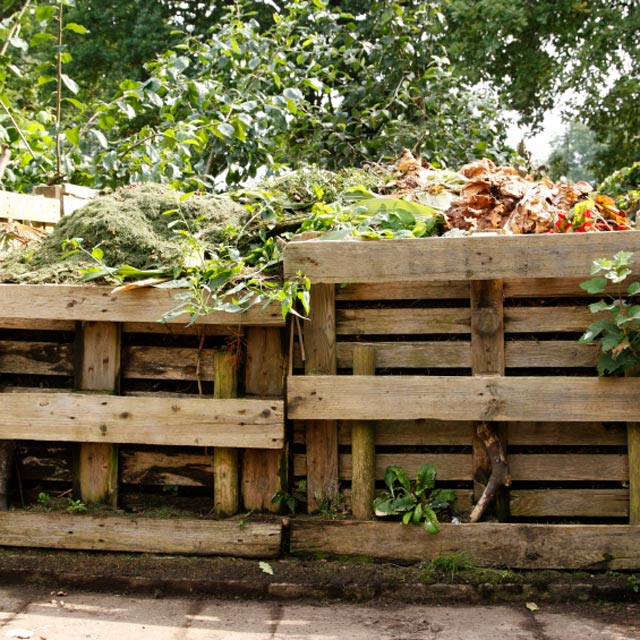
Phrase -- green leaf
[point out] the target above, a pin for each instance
(45, 12)
(426, 478)
(39, 38)
(71, 84)
(634, 289)
(417, 513)
(73, 136)
(595, 285)
(225, 130)
(407, 517)
(431, 523)
(101, 138)
(76, 28)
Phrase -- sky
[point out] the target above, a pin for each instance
(540, 144)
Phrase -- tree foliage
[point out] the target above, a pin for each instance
(532, 52)
(303, 82)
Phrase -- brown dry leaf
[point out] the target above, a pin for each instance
(139, 284)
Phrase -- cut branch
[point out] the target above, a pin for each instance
(500, 475)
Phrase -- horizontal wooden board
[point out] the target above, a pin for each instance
(450, 466)
(479, 257)
(420, 433)
(161, 363)
(36, 324)
(162, 468)
(19, 206)
(402, 321)
(579, 503)
(557, 399)
(78, 302)
(112, 533)
(173, 329)
(404, 291)
(89, 417)
(518, 546)
(547, 319)
(558, 467)
(457, 354)
(523, 467)
(36, 358)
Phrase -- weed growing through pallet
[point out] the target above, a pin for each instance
(417, 502)
(618, 332)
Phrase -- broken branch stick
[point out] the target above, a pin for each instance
(500, 476)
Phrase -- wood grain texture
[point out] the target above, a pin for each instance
(633, 444)
(569, 467)
(450, 466)
(462, 398)
(96, 467)
(469, 258)
(570, 503)
(363, 449)
(518, 546)
(402, 321)
(33, 208)
(36, 324)
(264, 471)
(167, 363)
(36, 358)
(83, 302)
(78, 417)
(163, 468)
(404, 291)
(321, 435)
(198, 537)
(547, 319)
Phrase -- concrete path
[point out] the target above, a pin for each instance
(41, 615)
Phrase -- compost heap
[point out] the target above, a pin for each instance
(152, 227)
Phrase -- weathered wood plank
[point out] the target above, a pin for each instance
(34, 208)
(78, 302)
(77, 417)
(542, 354)
(226, 470)
(36, 358)
(96, 465)
(579, 503)
(547, 319)
(548, 287)
(165, 468)
(420, 433)
(264, 471)
(569, 467)
(404, 291)
(112, 533)
(36, 324)
(321, 436)
(167, 363)
(518, 546)
(174, 329)
(462, 398)
(402, 321)
(468, 258)
(450, 466)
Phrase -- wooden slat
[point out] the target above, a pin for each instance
(198, 537)
(518, 546)
(548, 319)
(569, 467)
(450, 466)
(173, 329)
(463, 398)
(583, 503)
(321, 436)
(36, 324)
(162, 363)
(76, 417)
(549, 287)
(18, 206)
(421, 433)
(77, 302)
(542, 354)
(163, 468)
(36, 358)
(402, 321)
(404, 291)
(562, 434)
(411, 355)
(467, 258)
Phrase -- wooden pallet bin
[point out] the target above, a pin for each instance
(469, 331)
(102, 397)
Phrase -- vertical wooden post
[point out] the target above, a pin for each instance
(633, 453)
(7, 449)
(263, 470)
(321, 435)
(96, 468)
(487, 358)
(363, 449)
(225, 459)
